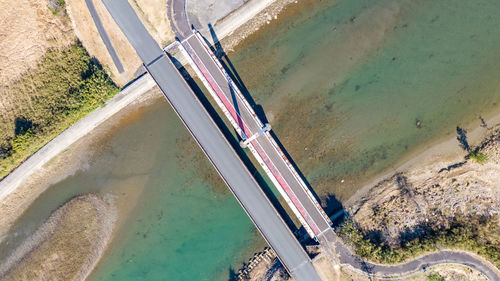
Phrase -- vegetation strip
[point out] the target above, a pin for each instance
(65, 86)
(462, 235)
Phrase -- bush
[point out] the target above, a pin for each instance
(65, 86)
(55, 6)
(436, 277)
(479, 156)
(471, 234)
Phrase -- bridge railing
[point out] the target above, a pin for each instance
(268, 135)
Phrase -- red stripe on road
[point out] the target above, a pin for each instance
(285, 187)
(230, 108)
(217, 89)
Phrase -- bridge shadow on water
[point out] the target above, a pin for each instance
(330, 203)
(234, 142)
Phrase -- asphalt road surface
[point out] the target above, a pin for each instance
(178, 18)
(104, 35)
(415, 265)
(214, 144)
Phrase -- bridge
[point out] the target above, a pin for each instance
(226, 161)
(214, 144)
(254, 134)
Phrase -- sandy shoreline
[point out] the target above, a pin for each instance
(231, 30)
(443, 149)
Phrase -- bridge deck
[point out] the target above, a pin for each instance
(213, 143)
(264, 148)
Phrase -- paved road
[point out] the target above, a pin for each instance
(178, 18)
(104, 35)
(214, 144)
(418, 264)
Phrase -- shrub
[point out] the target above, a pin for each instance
(464, 233)
(65, 86)
(436, 277)
(479, 156)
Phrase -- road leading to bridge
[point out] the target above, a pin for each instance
(265, 149)
(214, 144)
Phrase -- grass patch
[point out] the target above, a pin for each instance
(65, 86)
(56, 5)
(479, 156)
(474, 234)
(436, 277)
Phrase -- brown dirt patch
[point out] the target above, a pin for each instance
(86, 31)
(153, 14)
(27, 29)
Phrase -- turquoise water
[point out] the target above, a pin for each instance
(344, 82)
(186, 225)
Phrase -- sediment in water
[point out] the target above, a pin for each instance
(67, 246)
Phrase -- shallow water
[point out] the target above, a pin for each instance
(343, 84)
(185, 224)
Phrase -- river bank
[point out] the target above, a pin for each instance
(22, 186)
(64, 248)
(54, 162)
(280, 118)
(440, 204)
(443, 150)
(37, 191)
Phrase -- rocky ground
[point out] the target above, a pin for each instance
(404, 205)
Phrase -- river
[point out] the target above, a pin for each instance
(343, 83)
